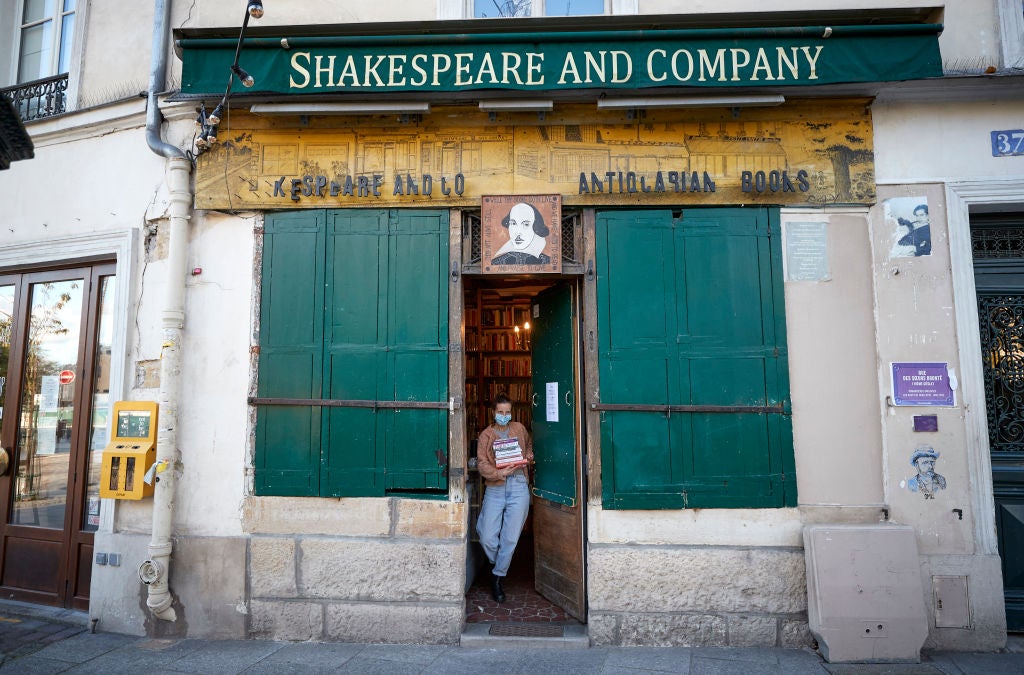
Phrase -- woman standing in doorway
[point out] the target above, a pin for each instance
(507, 497)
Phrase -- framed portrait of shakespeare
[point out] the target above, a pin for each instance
(521, 234)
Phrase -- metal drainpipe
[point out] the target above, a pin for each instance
(155, 572)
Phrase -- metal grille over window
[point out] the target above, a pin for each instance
(997, 242)
(1002, 346)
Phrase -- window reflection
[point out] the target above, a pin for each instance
(46, 408)
(101, 403)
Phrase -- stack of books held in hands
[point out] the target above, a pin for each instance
(508, 453)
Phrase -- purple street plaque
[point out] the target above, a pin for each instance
(921, 384)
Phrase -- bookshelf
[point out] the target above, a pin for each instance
(495, 360)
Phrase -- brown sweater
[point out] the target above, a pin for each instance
(485, 451)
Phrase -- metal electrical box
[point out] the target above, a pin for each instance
(131, 451)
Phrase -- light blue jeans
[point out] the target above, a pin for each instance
(501, 520)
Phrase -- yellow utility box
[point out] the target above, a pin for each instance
(131, 452)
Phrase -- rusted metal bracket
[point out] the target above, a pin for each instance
(345, 403)
(629, 407)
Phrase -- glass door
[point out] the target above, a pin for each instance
(55, 335)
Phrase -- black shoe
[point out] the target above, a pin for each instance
(497, 592)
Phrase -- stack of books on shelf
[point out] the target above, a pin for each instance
(508, 453)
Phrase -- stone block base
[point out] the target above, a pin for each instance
(698, 630)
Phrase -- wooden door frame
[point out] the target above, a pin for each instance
(70, 536)
(960, 196)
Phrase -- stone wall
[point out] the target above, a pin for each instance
(381, 570)
(690, 596)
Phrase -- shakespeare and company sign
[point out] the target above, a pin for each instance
(548, 61)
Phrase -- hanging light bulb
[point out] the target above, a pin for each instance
(245, 77)
(214, 118)
(256, 9)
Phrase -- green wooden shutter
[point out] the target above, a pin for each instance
(355, 351)
(385, 339)
(417, 338)
(291, 344)
(691, 313)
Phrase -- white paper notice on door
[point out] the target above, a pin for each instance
(551, 401)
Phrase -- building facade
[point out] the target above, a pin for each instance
(763, 326)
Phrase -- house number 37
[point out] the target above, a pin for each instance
(1008, 143)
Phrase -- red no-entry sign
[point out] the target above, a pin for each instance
(67, 376)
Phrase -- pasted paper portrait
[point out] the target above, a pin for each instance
(909, 223)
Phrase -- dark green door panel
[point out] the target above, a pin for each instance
(355, 350)
(1000, 286)
(417, 345)
(291, 354)
(703, 294)
(357, 304)
(554, 441)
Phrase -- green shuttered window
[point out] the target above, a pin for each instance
(354, 310)
(690, 313)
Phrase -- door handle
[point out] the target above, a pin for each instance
(533, 399)
(568, 394)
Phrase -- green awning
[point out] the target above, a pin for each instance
(539, 62)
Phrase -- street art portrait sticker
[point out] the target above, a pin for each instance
(521, 234)
(923, 384)
(926, 481)
(907, 218)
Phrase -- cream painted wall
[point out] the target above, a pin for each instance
(914, 298)
(81, 187)
(831, 338)
(942, 141)
(220, 13)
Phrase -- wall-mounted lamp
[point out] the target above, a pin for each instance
(207, 124)
(523, 336)
(539, 106)
(634, 102)
(338, 108)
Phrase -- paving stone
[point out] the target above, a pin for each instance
(33, 665)
(308, 657)
(225, 656)
(81, 647)
(705, 666)
(989, 664)
(651, 659)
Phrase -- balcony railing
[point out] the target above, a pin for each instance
(39, 99)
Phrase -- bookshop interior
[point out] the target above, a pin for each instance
(498, 352)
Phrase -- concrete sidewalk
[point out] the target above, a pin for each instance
(34, 640)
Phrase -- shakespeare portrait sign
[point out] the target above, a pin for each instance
(521, 234)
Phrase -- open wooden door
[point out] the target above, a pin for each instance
(558, 509)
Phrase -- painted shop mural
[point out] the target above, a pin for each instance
(800, 153)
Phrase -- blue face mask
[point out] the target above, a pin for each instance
(502, 420)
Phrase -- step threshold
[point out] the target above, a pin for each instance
(524, 635)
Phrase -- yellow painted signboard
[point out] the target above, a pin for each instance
(814, 153)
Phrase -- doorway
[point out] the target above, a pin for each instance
(522, 339)
(56, 334)
(999, 279)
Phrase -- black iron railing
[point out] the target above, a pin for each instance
(39, 99)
